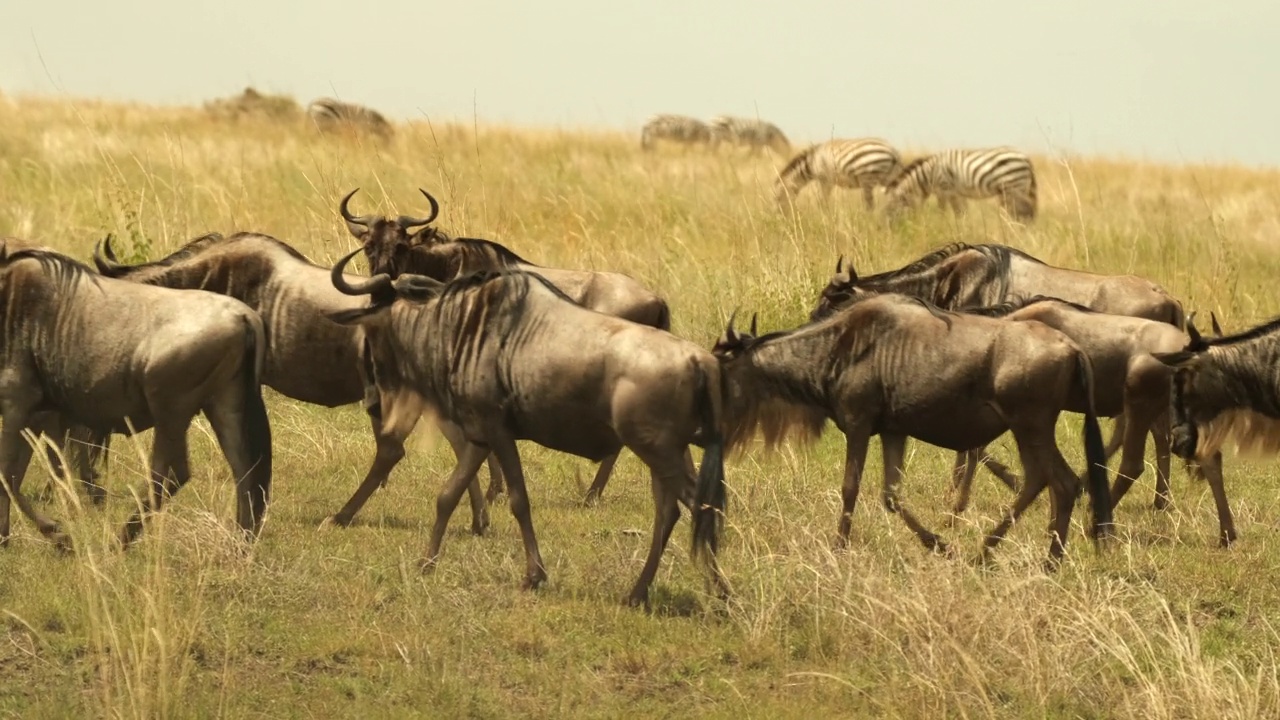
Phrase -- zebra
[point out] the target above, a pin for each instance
(954, 175)
(329, 115)
(859, 163)
(675, 128)
(754, 134)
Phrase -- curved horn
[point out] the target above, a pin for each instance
(729, 332)
(405, 222)
(840, 264)
(357, 224)
(1196, 340)
(753, 325)
(373, 285)
(105, 258)
(1213, 323)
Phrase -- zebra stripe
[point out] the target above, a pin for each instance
(329, 114)
(955, 175)
(754, 134)
(858, 163)
(675, 128)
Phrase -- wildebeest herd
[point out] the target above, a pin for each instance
(955, 349)
(952, 176)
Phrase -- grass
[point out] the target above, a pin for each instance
(338, 622)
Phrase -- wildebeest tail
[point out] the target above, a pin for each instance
(709, 496)
(256, 430)
(1095, 452)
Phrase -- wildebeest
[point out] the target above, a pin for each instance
(1226, 389)
(678, 129)
(959, 276)
(117, 357)
(392, 250)
(895, 366)
(1128, 381)
(506, 356)
(955, 175)
(308, 357)
(330, 115)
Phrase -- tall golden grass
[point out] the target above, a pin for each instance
(1161, 624)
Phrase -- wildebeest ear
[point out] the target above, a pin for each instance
(355, 315)
(1179, 359)
(417, 287)
(1213, 323)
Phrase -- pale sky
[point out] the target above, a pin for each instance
(1174, 80)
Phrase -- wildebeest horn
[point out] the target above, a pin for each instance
(840, 264)
(729, 333)
(405, 222)
(753, 325)
(1197, 341)
(375, 284)
(1213, 323)
(357, 224)
(104, 257)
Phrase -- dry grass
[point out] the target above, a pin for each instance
(339, 622)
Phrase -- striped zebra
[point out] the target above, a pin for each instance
(954, 175)
(674, 128)
(330, 115)
(754, 134)
(860, 163)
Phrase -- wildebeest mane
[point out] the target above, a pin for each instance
(1009, 307)
(65, 271)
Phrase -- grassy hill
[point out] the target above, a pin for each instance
(330, 623)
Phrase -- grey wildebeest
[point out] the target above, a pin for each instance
(1129, 382)
(331, 115)
(117, 357)
(392, 250)
(506, 356)
(1226, 389)
(895, 366)
(308, 357)
(959, 275)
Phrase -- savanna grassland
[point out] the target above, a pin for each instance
(1161, 623)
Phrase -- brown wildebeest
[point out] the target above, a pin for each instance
(895, 366)
(959, 276)
(506, 357)
(1129, 382)
(117, 357)
(391, 250)
(308, 358)
(331, 115)
(1225, 388)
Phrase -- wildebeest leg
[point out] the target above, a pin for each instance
(1034, 482)
(479, 503)
(496, 483)
(86, 449)
(15, 456)
(1212, 470)
(1117, 435)
(170, 470)
(855, 457)
(894, 449)
(668, 479)
(241, 444)
(963, 470)
(1160, 439)
(393, 429)
(509, 457)
(1133, 450)
(602, 478)
(463, 477)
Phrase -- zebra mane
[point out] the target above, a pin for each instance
(906, 171)
(800, 158)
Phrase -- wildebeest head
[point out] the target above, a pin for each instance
(733, 343)
(386, 241)
(839, 292)
(381, 288)
(1194, 400)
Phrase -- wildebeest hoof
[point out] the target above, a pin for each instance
(1227, 538)
(427, 565)
(533, 581)
(334, 521)
(479, 527)
(591, 499)
(636, 600)
(1161, 504)
(61, 542)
